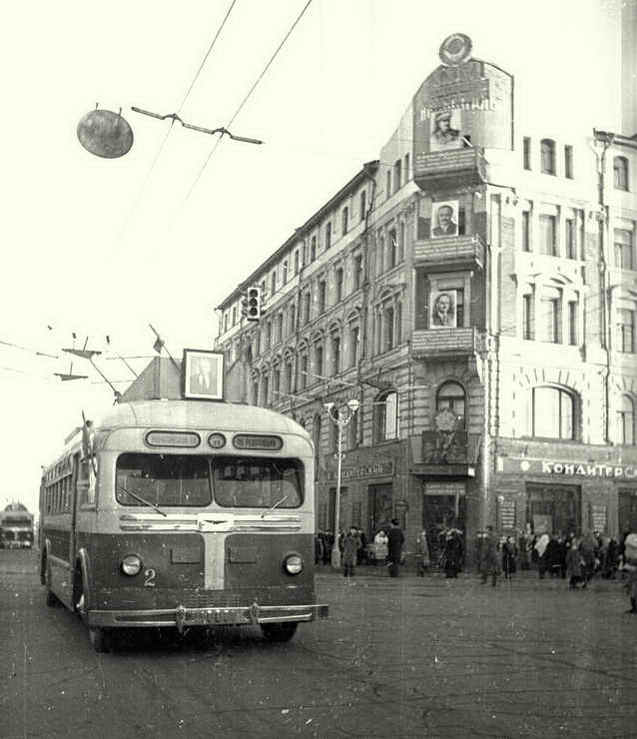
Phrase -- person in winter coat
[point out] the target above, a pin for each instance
(540, 549)
(351, 545)
(509, 555)
(630, 560)
(489, 557)
(380, 547)
(422, 549)
(452, 556)
(574, 565)
(587, 549)
(395, 541)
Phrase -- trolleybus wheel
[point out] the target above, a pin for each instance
(279, 632)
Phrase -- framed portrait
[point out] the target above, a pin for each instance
(444, 219)
(443, 309)
(444, 130)
(203, 374)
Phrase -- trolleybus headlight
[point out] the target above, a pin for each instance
(293, 564)
(131, 565)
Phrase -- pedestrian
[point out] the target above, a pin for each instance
(540, 550)
(351, 545)
(552, 557)
(573, 565)
(524, 542)
(587, 548)
(422, 549)
(630, 560)
(328, 544)
(453, 553)
(395, 541)
(489, 557)
(318, 548)
(509, 555)
(362, 552)
(380, 547)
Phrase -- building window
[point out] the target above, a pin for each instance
(339, 284)
(527, 317)
(568, 162)
(316, 438)
(552, 313)
(333, 433)
(276, 384)
(354, 338)
(526, 230)
(406, 168)
(388, 184)
(380, 254)
(620, 172)
(312, 248)
(322, 296)
(626, 421)
(225, 321)
(572, 323)
(526, 152)
(552, 413)
(398, 175)
(358, 271)
(318, 361)
(386, 417)
(307, 302)
(626, 331)
(279, 328)
(345, 220)
(265, 394)
(363, 204)
(328, 235)
(268, 335)
(234, 314)
(401, 242)
(296, 262)
(393, 248)
(303, 367)
(388, 328)
(623, 248)
(273, 283)
(255, 393)
(284, 276)
(547, 148)
(451, 395)
(548, 240)
(570, 238)
(336, 354)
(288, 377)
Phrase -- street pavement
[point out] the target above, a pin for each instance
(405, 657)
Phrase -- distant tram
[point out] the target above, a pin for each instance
(185, 514)
(16, 527)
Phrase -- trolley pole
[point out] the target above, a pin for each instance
(341, 416)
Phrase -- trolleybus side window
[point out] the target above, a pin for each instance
(86, 482)
(163, 479)
(254, 482)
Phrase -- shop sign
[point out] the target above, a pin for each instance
(568, 469)
(379, 469)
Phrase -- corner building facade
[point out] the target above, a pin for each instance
(475, 289)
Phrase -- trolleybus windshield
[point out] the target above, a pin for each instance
(185, 480)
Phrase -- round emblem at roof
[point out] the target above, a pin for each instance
(455, 49)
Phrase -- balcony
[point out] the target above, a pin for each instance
(443, 343)
(450, 252)
(444, 169)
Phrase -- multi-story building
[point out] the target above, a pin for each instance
(475, 289)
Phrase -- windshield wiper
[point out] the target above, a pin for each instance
(142, 500)
(278, 503)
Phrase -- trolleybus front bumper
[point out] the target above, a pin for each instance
(183, 618)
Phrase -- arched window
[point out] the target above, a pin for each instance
(626, 421)
(386, 416)
(620, 173)
(451, 395)
(547, 148)
(552, 413)
(316, 438)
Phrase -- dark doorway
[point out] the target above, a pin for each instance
(627, 510)
(554, 509)
(440, 513)
(380, 508)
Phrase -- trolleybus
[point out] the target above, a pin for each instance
(184, 514)
(16, 527)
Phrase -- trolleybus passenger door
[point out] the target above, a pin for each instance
(74, 504)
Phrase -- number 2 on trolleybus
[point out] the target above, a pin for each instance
(184, 514)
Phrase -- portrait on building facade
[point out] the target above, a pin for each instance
(444, 220)
(203, 374)
(443, 309)
(445, 131)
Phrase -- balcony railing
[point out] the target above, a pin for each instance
(444, 168)
(450, 252)
(445, 342)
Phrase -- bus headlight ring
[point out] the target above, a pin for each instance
(293, 564)
(131, 565)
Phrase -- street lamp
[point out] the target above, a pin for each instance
(340, 415)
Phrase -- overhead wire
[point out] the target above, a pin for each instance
(247, 97)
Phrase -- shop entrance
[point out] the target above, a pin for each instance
(627, 510)
(380, 508)
(554, 509)
(442, 510)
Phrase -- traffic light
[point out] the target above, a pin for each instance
(254, 303)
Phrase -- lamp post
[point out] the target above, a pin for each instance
(340, 415)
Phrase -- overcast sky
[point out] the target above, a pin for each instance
(102, 247)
